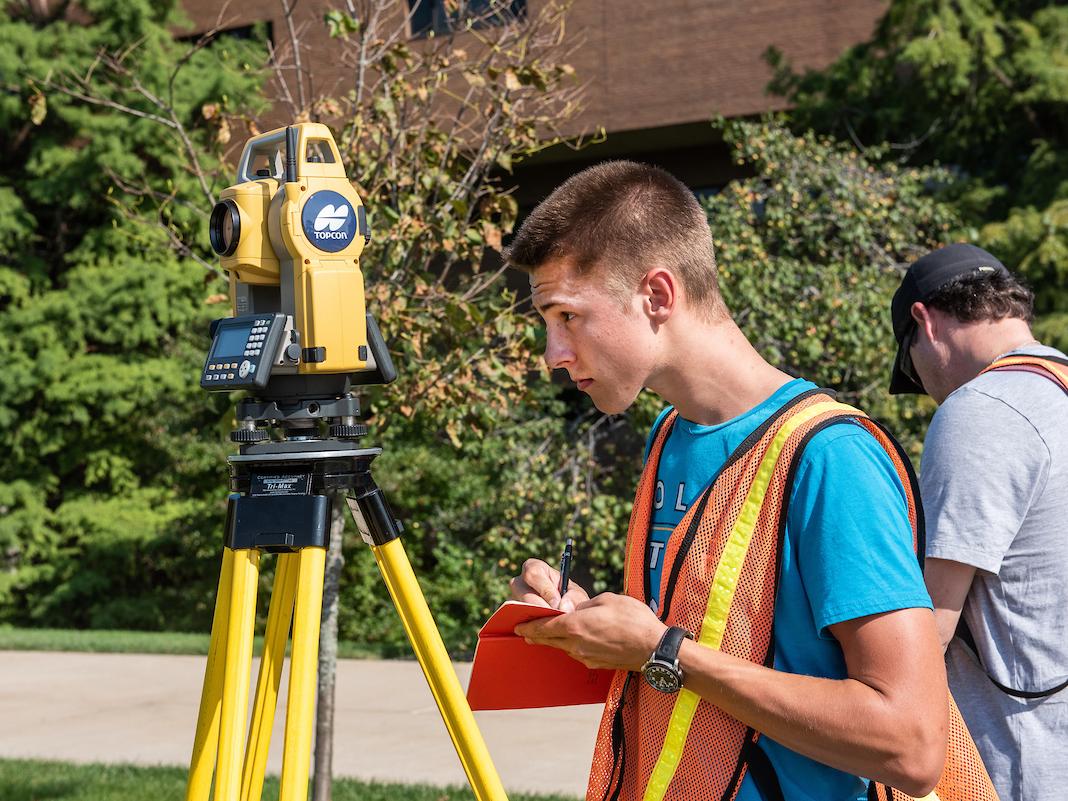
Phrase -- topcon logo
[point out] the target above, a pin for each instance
(328, 220)
(333, 218)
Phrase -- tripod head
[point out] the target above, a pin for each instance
(290, 233)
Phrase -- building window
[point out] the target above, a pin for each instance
(444, 16)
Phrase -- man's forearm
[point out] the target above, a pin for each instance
(948, 582)
(844, 723)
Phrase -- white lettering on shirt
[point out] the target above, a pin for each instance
(679, 505)
(655, 548)
(658, 497)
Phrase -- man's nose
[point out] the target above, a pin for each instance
(557, 354)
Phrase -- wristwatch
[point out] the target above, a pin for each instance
(662, 671)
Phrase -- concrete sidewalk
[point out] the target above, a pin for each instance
(142, 709)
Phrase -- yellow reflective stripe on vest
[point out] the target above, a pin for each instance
(724, 585)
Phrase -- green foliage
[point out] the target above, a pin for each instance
(477, 513)
(812, 247)
(113, 486)
(978, 85)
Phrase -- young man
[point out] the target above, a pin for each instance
(850, 683)
(995, 488)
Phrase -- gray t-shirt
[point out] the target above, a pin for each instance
(994, 481)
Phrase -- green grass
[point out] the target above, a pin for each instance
(34, 780)
(140, 642)
(129, 642)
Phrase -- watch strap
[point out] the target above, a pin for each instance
(670, 643)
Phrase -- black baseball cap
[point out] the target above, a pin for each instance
(923, 279)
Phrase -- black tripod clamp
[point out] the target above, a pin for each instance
(281, 500)
(373, 516)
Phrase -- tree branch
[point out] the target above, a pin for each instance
(287, 12)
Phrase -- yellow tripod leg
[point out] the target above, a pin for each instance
(279, 617)
(236, 678)
(303, 674)
(206, 741)
(434, 660)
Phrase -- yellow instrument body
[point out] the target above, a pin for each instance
(305, 237)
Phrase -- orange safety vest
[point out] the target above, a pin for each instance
(719, 581)
(1052, 367)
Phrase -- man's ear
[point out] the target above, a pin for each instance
(660, 293)
(925, 321)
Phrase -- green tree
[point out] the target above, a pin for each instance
(113, 481)
(982, 87)
(811, 248)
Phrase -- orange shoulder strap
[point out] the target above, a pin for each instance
(1052, 367)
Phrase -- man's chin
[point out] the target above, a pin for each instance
(611, 406)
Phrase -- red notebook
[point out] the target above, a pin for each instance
(510, 674)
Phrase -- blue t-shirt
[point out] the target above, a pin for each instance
(847, 553)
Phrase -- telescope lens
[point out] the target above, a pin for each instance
(224, 228)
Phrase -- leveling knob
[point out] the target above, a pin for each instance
(249, 435)
(341, 431)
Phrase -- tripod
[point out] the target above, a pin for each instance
(281, 506)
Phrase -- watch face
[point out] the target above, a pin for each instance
(661, 677)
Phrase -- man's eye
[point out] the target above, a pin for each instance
(568, 316)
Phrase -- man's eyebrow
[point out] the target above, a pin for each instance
(540, 309)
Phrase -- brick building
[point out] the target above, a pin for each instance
(656, 72)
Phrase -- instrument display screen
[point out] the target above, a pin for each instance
(243, 351)
(231, 341)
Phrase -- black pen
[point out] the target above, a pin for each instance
(565, 566)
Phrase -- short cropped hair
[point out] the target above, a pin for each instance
(985, 297)
(622, 218)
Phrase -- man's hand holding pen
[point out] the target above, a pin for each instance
(540, 584)
(609, 631)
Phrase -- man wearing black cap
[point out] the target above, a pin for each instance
(994, 481)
